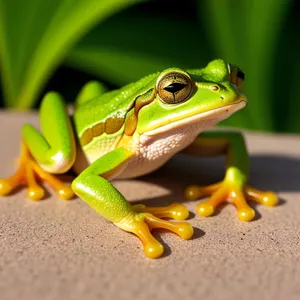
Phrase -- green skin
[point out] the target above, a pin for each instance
(56, 149)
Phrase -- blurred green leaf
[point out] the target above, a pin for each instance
(152, 43)
(35, 37)
(246, 32)
(286, 77)
(129, 46)
(258, 35)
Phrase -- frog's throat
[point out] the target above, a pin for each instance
(218, 114)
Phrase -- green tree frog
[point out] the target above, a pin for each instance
(132, 131)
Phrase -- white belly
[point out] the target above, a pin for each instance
(154, 152)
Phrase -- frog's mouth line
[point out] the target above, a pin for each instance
(218, 114)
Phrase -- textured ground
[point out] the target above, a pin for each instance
(55, 249)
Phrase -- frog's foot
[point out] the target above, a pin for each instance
(175, 211)
(224, 190)
(26, 175)
(141, 222)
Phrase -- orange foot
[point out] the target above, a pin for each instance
(144, 219)
(25, 175)
(224, 190)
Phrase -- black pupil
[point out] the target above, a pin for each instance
(240, 74)
(175, 87)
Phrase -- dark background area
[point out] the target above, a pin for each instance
(179, 33)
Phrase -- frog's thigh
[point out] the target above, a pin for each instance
(54, 149)
(229, 143)
(214, 143)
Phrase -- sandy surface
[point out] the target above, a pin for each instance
(55, 249)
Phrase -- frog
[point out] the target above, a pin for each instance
(132, 131)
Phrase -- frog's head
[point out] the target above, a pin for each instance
(199, 96)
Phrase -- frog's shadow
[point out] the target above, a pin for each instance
(267, 172)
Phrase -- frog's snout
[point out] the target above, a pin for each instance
(241, 97)
(240, 100)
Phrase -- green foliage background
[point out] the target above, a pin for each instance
(60, 44)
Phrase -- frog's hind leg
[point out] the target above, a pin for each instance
(89, 91)
(235, 186)
(42, 154)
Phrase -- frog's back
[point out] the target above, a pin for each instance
(100, 122)
(111, 105)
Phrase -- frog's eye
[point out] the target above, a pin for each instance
(174, 88)
(240, 74)
(240, 77)
(237, 76)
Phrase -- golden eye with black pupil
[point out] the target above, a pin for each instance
(174, 88)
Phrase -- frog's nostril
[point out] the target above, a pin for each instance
(215, 88)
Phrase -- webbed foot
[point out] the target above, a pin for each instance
(26, 175)
(236, 193)
(144, 219)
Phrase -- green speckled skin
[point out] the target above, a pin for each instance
(94, 105)
(55, 149)
(116, 208)
(112, 104)
(136, 129)
(117, 103)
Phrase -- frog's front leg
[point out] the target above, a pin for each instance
(235, 184)
(42, 154)
(93, 187)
